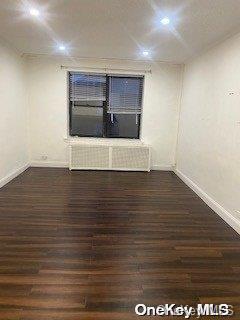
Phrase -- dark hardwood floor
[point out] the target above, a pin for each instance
(92, 245)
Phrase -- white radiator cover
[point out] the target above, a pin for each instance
(109, 156)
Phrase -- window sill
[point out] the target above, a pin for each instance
(104, 141)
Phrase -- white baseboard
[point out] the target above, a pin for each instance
(214, 205)
(58, 164)
(13, 175)
(49, 164)
(162, 167)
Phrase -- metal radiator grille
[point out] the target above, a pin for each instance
(89, 157)
(130, 157)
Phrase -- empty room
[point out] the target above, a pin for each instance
(119, 159)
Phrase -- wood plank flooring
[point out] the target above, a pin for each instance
(92, 245)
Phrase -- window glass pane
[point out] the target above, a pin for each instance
(87, 93)
(123, 125)
(96, 103)
(87, 121)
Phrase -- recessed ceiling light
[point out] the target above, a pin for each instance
(62, 48)
(34, 12)
(165, 21)
(145, 53)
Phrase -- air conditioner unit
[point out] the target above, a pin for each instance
(109, 156)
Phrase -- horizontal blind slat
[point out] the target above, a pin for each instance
(87, 87)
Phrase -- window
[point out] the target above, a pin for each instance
(105, 105)
(87, 100)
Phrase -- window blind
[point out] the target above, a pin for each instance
(125, 95)
(87, 87)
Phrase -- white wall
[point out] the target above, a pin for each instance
(13, 114)
(48, 105)
(209, 134)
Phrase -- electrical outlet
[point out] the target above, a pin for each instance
(44, 158)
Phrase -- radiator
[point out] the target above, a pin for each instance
(109, 157)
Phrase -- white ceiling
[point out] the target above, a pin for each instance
(119, 28)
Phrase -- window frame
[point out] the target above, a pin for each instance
(105, 106)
